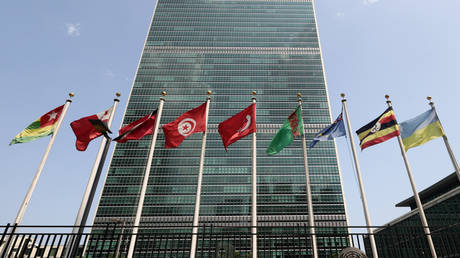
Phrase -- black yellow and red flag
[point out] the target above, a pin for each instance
(379, 130)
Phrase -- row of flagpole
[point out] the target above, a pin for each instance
(294, 124)
(420, 126)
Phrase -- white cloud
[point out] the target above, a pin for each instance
(369, 2)
(109, 73)
(73, 29)
(340, 14)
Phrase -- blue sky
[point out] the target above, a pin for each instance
(407, 49)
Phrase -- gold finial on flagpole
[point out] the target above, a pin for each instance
(71, 94)
(431, 103)
(388, 98)
(254, 93)
(163, 93)
(118, 94)
(343, 97)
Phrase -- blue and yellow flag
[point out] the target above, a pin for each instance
(420, 129)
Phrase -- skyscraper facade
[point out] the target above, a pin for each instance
(231, 48)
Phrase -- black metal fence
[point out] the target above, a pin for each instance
(112, 240)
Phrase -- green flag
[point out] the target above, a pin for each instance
(292, 127)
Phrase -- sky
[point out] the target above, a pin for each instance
(407, 49)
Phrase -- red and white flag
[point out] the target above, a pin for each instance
(85, 131)
(192, 121)
(238, 126)
(137, 129)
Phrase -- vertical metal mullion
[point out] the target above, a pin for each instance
(139, 246)
(90, 239)
(454, 249)
(203, 232)
(13, 244)
(176, 240)
(52, 243)
(166, 244)
(20, 245)
(445, 244)
(4, 234)
(263, 242)
(33, 242)
(40, 242)
(299, 240)
(104, 237)
(184, 242)
(58, 244)
(117, 241)
(160, 240)
(112, 238)
(46, 243)
(98, 239)
(222, 239)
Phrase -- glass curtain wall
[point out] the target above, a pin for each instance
(231, 48)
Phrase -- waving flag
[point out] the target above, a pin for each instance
(292, 127)
(334, 130)
(238, 126)
(192, 121)
(85, 131)
(41, 127)
(137, 129)
(421, 129)
(379, 130)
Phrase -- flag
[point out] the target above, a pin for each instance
(137, 129)
(292, 127)
(190, 122)
(379, 130)
(238, 126)
(85, 131)
(334, 130)
(39, 128)
(421, 129)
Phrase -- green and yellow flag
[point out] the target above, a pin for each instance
(41, 127)
(292, 127)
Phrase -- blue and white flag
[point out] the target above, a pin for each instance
(336, 129)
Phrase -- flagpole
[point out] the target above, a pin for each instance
(196, 213)
(85, 206)
(28, 196)
(26, 201)
(360, 180)
(311, 219)
(254, 187)
(446, 142)
(416, 196)
(140, 205)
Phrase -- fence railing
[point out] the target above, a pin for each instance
(112, 240)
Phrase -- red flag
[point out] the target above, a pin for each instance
(137, 129)
(238, 126)
(85, 131)
(192, 121)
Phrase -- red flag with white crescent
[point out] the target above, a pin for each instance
(192, 121)
(238, 126)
